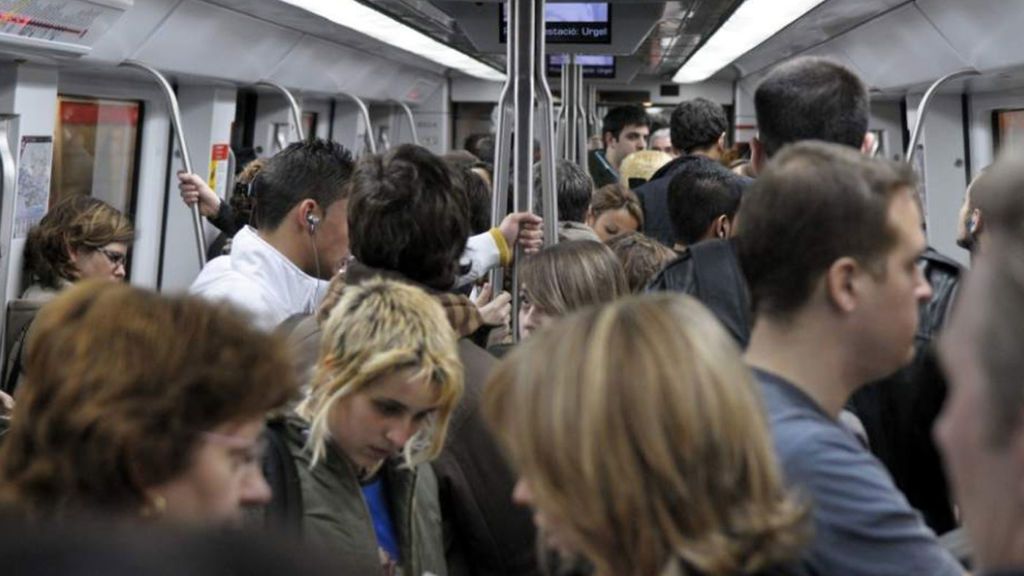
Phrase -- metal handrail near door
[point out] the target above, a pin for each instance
(365, 113)
(411, 118)
(293, 104)
(922, 109)
(172, 104)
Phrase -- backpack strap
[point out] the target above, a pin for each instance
(720, 285)
(285, 507)
(13, 371)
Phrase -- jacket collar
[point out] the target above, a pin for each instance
(253, 257)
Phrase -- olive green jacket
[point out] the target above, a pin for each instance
(337, 520)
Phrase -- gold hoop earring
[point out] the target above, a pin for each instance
(154, 507)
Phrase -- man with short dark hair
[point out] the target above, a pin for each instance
(835, 285)
(697, 130)
(623, 131)
(573, 189)
(301, 237)
(409, 221)
(702, 203)
(981, 430)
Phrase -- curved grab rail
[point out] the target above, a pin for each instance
(411, 118)
(172, 104)
(365, 113)
(922, 109)
(292, 103)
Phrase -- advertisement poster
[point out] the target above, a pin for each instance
(35, 163)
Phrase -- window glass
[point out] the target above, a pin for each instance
(96, 150)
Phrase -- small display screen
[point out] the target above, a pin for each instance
(570, 23)
(594, 66)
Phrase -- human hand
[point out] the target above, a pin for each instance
(525, 229)
(194, 189)
(496, 310)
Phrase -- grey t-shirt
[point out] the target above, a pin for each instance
(863, 525)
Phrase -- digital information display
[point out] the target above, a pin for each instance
(594, 66)
(569, 23)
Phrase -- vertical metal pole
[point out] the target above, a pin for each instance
(293, 104)
(523, 25)
(581, 119)
(172, 104)
(572, 116)
(502, 154)
(563, 112)
(545, 108)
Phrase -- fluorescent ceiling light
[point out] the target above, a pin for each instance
(366, 20)
(751, 24)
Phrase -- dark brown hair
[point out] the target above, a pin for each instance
(816, 203)
(614, 197)
(76, 222)
(120, 383)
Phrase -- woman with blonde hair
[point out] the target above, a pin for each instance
(614, 210)
(386, 383)
(565, 277)
(641, 444)
(138, 405)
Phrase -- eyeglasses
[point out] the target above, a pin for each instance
(116, 258)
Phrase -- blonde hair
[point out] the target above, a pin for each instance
(642, 164)
(639, 427)
(376, 329)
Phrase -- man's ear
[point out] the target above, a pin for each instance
(608, 138)
(974, 224)
(758, 159)
(721, 143)
(590, 220)
(723, 226)
(841, 284)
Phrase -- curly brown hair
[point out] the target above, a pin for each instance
(76, 222)
(120, 384)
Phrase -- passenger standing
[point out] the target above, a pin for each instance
(409, 222)
(698, 129)
(140, 406)
(641, 258)
(835, 285)
(573, 190)
(641, 446)
(566, 277)
(624, 130)
(980, 430)
(387, 381)
(702, 204)
(280, 268)
(614, 210)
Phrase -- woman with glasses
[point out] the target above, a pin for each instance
(141, 406)
(80, 238)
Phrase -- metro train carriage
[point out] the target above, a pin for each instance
(114, 98)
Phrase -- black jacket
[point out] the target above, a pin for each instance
(898, 411)
(654, 198)
(710, 272)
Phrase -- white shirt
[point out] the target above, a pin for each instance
(258, 279)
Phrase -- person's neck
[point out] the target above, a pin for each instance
(809, 355)
(293, 247)
(710, 153)
(613, 159)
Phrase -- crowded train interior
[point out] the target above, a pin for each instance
(512, 287)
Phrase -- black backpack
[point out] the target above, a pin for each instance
(710, 272)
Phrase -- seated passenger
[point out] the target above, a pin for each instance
(566, 277)
(141, 406)
(641, 258)
(573, 189)
(80, 238)
(638, 168)
(614, 210)
(702, 203)
(835, 287)
(386, 384)
(641, 446)
(410, 222)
